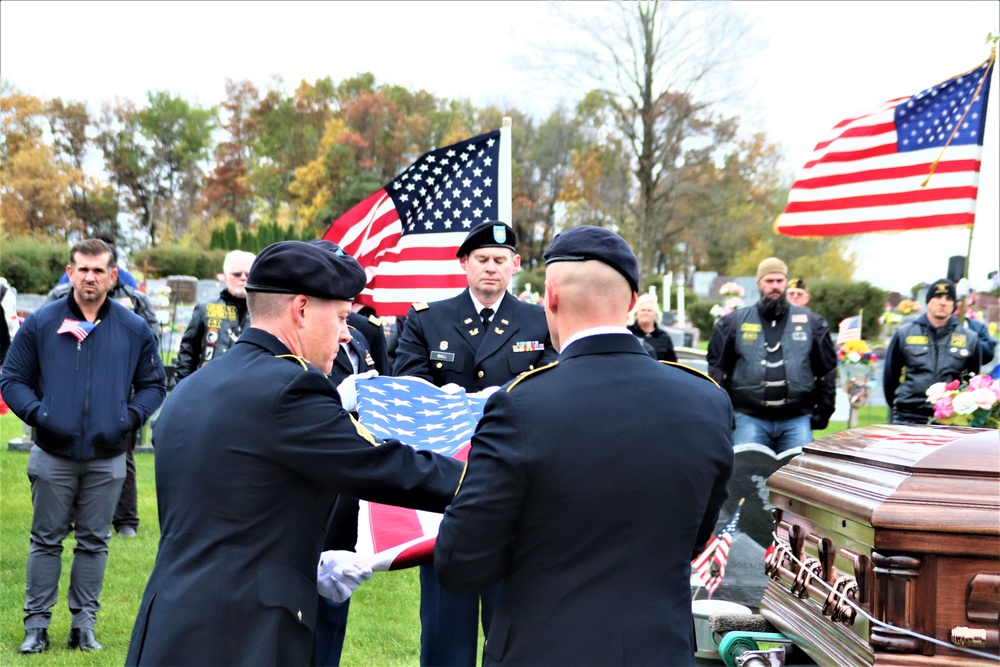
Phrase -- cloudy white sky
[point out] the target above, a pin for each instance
(818, 63)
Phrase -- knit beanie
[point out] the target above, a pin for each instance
(771, 265)
(941, 287)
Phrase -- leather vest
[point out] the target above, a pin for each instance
(748, 383)
(928, 359)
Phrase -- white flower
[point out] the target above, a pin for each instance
(983, 398)
(964, 404)
(854, 357)
(937, 391)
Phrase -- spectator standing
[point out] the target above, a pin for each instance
(825, 401)
(566, 506)
(216, 325)
(644, 322)
(481, 338)
(84, 371)
(251, 452)
(126, 519)
(768, 356)
(932, 348)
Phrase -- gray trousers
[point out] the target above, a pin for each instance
(89, 490)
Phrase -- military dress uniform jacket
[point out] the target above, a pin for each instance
(589, 497)
(251, 452)
(444, 342)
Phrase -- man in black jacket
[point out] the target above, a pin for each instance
(216, 325)
(932, 348)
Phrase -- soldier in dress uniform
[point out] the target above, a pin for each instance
(481, 338)
(251, 453)
(592, 482)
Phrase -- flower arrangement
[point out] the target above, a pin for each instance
(856, 352)
(732, 299)
(908, 307)
(974, 401)
(731, 289)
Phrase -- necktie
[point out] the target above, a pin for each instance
(486, 314)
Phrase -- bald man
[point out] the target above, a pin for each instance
(567, 505)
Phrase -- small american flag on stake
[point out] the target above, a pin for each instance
(850, 329)
(406, 234)
(710, 565)
(76, 328)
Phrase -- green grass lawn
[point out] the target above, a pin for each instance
(384, 627)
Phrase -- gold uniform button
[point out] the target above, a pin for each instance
(299, 615)
(480, 374)
(439, 364)
(531, 367)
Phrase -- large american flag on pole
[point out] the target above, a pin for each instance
(425, 417)
(871, 173)
(710, 564)
(406, 234)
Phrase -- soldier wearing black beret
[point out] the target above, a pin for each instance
(572, 470)
(934, 347)
(251, 453)
(480, 338)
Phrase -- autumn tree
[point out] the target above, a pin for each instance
(93, 204)
(34, 190)
(666, 60)
(153, 155)
(227, 190)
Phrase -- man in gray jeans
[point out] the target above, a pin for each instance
(84, 371)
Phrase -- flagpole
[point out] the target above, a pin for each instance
(504, 196)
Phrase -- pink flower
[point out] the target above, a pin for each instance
(953, 385)
(943, 408)
(981, 382)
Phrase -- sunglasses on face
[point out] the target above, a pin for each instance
(239, 274)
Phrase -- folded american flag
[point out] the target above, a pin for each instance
(425, 417)
(710, 565)
(78, 329)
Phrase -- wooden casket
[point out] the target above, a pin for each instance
(888, 547)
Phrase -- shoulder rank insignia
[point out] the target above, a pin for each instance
(291, 357)
(374, 320)
(420, 305)
(693, 371)
(527, 374)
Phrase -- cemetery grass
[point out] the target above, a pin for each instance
(384, 626)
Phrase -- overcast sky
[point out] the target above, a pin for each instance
(818, 63)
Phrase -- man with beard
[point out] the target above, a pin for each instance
(768, 357)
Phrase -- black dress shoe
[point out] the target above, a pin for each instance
(83, 639)
(36, 640)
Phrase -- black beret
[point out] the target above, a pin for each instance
(939, 288)
(595, 243)
(489, 234)
(318, 268)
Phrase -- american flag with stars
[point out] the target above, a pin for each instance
(80, 330)
(710, 564)
(871, 173)
(425, 417)
(850, 329)
(406, 234)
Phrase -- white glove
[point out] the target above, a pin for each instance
(486, 393)
(348, 389)
(338, 574)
